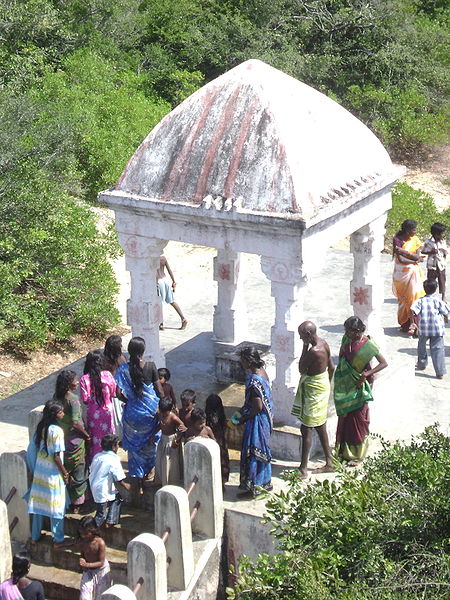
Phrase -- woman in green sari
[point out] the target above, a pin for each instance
(353, 381)
(75, 436)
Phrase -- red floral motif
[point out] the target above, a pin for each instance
(360, 295)
(282, 343)
(224, 272)
(131, 246)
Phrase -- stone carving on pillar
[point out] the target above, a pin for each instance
(144, 311)
(367, 285)
(230, 312)
(288, 283)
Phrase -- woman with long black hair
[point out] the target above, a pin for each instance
(97, 390)
(47, 497)
(140, 385)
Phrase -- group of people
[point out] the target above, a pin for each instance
(420, 313)
(73, 452)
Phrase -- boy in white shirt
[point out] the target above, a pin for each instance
(436, 250)
(106, 470)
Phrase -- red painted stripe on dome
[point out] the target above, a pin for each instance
(177, 175)
(210, 154)
(237, 152)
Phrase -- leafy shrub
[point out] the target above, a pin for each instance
(55, 277)
(409, 203)
(379, 533)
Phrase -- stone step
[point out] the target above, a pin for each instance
(69, 558)
(59, 584)
(133, 521)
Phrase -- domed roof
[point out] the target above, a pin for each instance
(261, 140)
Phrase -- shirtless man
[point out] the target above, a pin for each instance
(166, 290)
(311, 401)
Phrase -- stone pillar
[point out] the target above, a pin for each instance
(367, 285)
(34, 416)
(147, 559)
(118, 592)
(14, 473)
(230, 312)
(288, 289)
(5, 544)
(144, 310)
(172, 515)
(202, 462)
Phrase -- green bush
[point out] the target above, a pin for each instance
(381, 533)
(55, 277)
(409, 203)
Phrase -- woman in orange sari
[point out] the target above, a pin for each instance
(407, 277)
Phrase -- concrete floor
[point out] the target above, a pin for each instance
(404, 405)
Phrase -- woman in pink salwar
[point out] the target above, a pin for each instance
(97, 390)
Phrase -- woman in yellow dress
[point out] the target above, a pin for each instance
(407, 278)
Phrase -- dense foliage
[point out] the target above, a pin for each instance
(379, 534)
(83, 81)
(408, 203)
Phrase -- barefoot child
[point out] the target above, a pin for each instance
(106, 470)
(215, 419)
(96, 576)
(168, 454)
(198, 426)
(188, 399)
(164, 378)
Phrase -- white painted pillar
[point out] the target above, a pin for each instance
(144, 310)
(14, 473)
(147, 558)
(202, 462)
(230, 312)
(367, 285)
(288, 289)
(5, 544)
(118, 592)
(172, 514)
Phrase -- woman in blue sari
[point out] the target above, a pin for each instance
(137, 381)
(257, 415)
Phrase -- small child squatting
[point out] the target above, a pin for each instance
(96, 577)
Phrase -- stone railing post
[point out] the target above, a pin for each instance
(173, 524)
(202, 464)
(5, 544)
(14, 474)
(34, 416)
(147, 559)
(118, 592)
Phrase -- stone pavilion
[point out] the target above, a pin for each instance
(256, 162)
